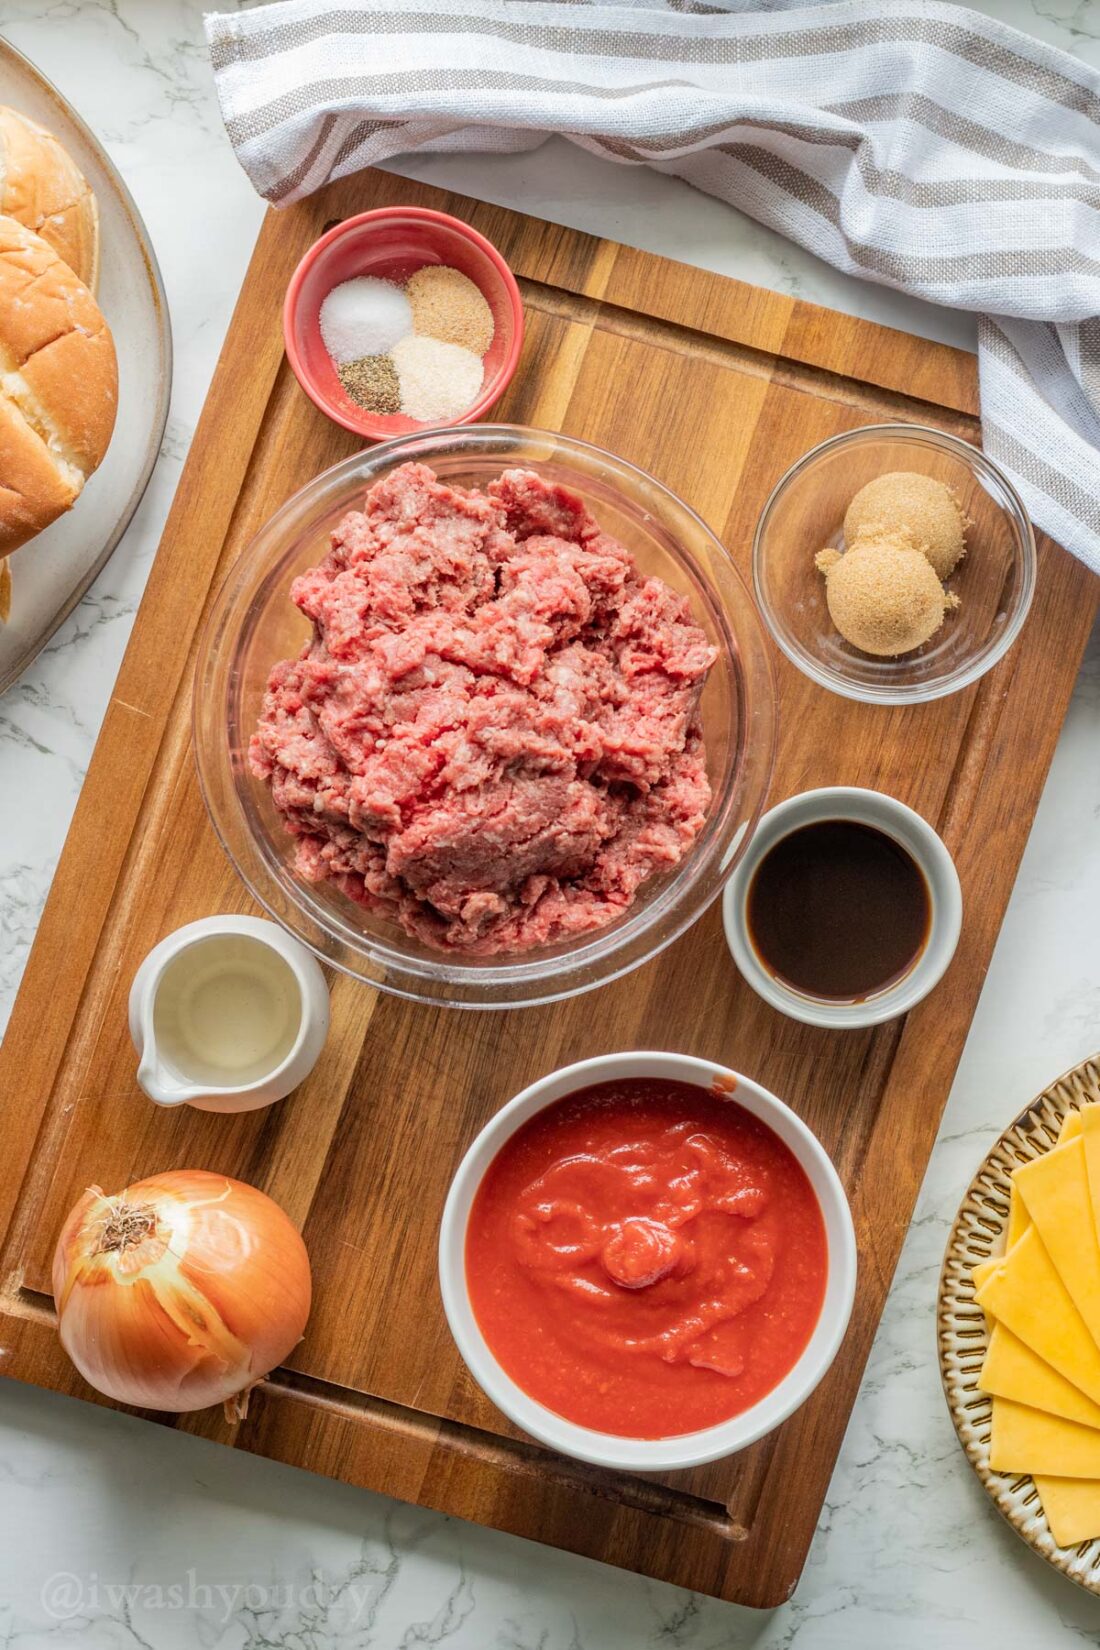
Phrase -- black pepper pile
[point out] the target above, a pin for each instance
(372, 382)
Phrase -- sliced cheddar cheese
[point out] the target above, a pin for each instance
(1025, 1440)
(1018, 1217)
(1090, 1123)
(1024, 1292)
(1072, 1506)
(984, 1270)
(1013, 1370)
(1073, 1124)
(1055, 1190)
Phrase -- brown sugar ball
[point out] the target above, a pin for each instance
(883, 595)
(916, 505)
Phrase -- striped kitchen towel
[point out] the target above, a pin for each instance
(909, 142)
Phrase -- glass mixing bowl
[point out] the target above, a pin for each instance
(254, 623)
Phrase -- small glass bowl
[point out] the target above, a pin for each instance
(995, 580)
(253, 624)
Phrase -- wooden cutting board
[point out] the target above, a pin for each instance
(715, 387)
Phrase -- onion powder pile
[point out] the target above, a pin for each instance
(437, 380)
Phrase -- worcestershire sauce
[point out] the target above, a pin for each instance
(838, 910)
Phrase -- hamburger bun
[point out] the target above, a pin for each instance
(43, 189)
(58, 385)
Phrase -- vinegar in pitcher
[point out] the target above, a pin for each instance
(228, 1010)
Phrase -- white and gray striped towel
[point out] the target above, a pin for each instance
(909, 142)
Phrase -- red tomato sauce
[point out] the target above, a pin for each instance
(645, 1258)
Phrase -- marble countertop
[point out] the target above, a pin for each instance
(117, 1533)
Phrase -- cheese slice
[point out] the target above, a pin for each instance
(1018, 1217)
(1072, 1506)
(1055, 1190)
(1024, 1292)
(1090, 1122)
(983, 1271)
(1013, 1370)
(1025, 1440)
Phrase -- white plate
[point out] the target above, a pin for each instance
(52, 572)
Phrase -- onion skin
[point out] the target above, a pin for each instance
(182, 1291)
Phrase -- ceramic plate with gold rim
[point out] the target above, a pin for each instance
(978, 1233)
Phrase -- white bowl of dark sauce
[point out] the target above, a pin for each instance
(845, 910)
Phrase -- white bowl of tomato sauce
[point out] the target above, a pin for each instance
(647, 1261)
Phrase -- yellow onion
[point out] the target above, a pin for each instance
(182, 1291)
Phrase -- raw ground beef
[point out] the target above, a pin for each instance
(493, 736)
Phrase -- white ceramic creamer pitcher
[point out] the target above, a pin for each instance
(227, 1014)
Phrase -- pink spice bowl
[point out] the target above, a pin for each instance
(392, 243)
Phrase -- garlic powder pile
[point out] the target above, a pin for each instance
(447, 305)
